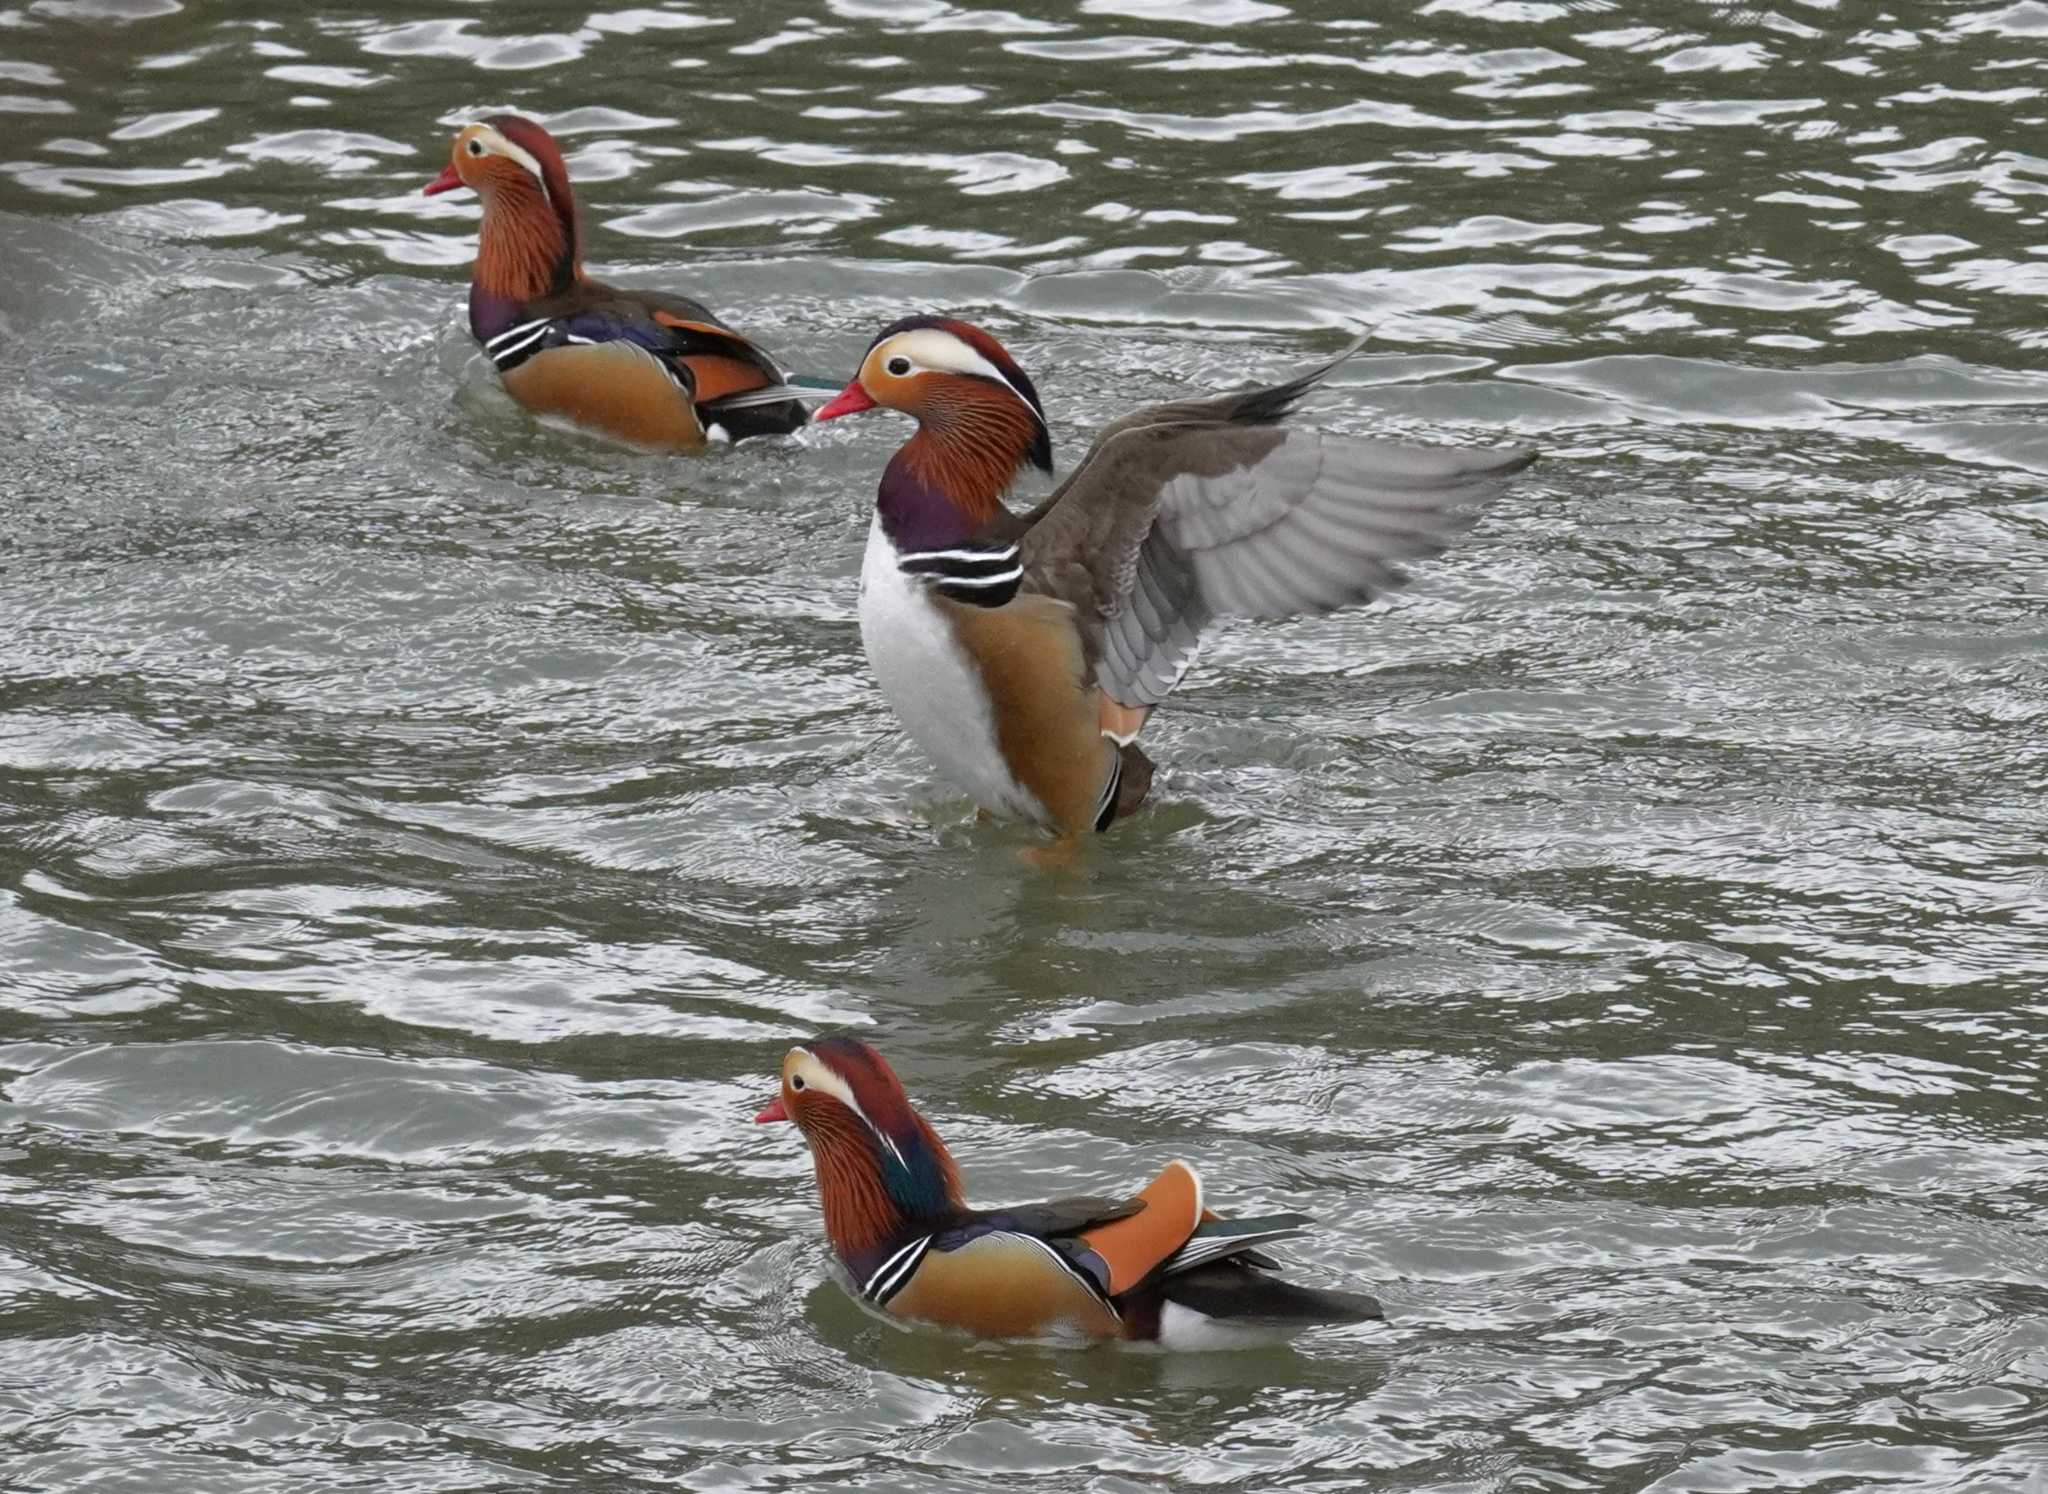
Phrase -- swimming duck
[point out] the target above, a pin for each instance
(653, 369)
(1025, 652)
(1156, 1267)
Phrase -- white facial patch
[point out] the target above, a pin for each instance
(933, 350)
(518, 155)
(819, 1076)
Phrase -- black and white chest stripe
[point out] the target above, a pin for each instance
(987, 578)
(894, 1274)
(513, 346)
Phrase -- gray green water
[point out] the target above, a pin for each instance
(421, 833)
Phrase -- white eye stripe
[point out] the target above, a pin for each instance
(937, 351)
(518, 155)
(824, 1080)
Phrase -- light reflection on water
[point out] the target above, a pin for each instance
(423, 831)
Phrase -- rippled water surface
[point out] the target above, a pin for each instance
(421, 832)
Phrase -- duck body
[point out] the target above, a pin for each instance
(652, 369)
(1156, 1267)
(1025, 652)
(643, 367)
(993, 686)
(922, 646)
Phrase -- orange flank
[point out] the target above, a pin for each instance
(1029, 656)
(1004, 1286)
(615, 387)
(1133, 1247)
(717, 376)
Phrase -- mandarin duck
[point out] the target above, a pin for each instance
(1024, 652)
(653, 369)
(1156, 1267)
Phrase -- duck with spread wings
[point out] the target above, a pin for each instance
(1025, 652)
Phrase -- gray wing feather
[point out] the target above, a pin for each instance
(1165, 615)
(1315, 523)
(1187, 512)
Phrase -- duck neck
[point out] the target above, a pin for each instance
(947, 482)
(528, 246)
(872, 1203)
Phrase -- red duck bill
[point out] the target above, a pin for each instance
(849, 401)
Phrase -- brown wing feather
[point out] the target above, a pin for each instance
(1060, 1217)
(715, 376)
(730, 346)
(703, 336)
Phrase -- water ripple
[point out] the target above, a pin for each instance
(424, 830)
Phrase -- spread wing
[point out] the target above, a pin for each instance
(1184, 513)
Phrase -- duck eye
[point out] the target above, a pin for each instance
(476, 147)
(797, 1082)
(897, 367)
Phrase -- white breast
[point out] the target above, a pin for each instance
(933, 684)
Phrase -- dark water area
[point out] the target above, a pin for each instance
(423, 831)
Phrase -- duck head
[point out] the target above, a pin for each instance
(881, 1167)
(979, 422)
(531, 242)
